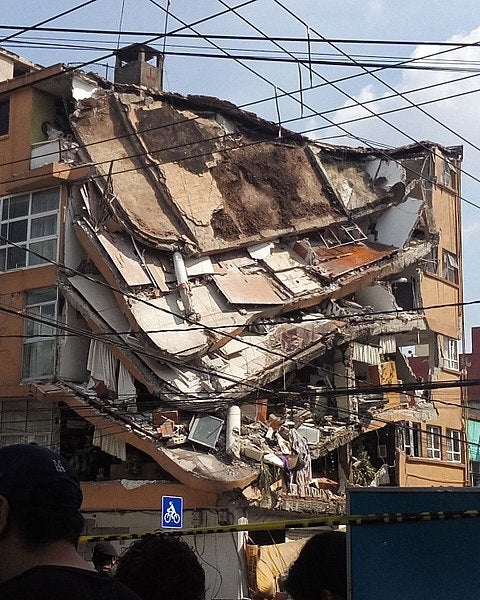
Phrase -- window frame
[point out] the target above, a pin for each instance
(451, 358)
(474, 473)
(30, 217)
(450, 267)
(412, 438)
(26, 432)
(452, 454)
(45, 335)
(434, 442)
(448, 176)
(4, 116)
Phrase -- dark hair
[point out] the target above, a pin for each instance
(45, 524)
(321, 565)
(162, 567)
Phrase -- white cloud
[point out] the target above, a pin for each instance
(459, 113)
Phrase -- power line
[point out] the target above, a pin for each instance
(376, 77)
(354, 316)
(149, 41)
(236, 37)
(315, 113)
(40, 23)
(382, 62)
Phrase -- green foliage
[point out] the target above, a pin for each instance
(363, 471)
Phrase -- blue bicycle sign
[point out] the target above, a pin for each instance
(172, 512)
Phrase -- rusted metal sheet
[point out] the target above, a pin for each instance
(334, 262)
(239, 288)
(123, 255)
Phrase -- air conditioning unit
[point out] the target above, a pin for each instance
(205, 430)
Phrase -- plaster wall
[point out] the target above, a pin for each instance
(423, 472)
(13, 286)
(15, 146)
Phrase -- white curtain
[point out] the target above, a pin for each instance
(110, 444)
(101, 363)
(126, 391)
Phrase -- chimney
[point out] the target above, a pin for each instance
(133, 66)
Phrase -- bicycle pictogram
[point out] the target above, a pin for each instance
(172, 512)
(171, 515)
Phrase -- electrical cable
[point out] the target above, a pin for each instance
(387, 85)
(373, 114)
(233, 54)
(236, 37)
(50, 19)
(269, 351)
(338, 88)
(358, 317)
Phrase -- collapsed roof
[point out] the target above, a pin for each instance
(223, 255)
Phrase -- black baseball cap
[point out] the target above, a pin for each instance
(32, 475)
(104, 549)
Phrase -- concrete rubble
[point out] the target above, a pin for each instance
(224, 266)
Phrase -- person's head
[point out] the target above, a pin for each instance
(320, 571)
(40, 496)
(162, 567)
(104, 555)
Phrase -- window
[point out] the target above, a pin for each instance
(338, 235)
(448, 176)
(411, 438)
(474, 474)
(31, 222)
(454, 448)
(4, 116)
(430, 262)
(450, 353)
(39, 343)
(434, 442)
(24, 421)
(450, 267)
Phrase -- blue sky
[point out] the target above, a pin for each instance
(413, 20)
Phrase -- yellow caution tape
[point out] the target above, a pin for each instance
(330, 521)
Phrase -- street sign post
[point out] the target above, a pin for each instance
(172, 512)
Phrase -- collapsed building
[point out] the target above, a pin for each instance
(194, 302)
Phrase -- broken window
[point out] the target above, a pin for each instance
(431, 262)
(25, 421)
(450, 353)
(434, 442)
(450, 267)
(405, 293)
(454, 449)
(411, 438)
(40, 330)
(448, 176)
(4, 116)
(338, 235)
(29, 224)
